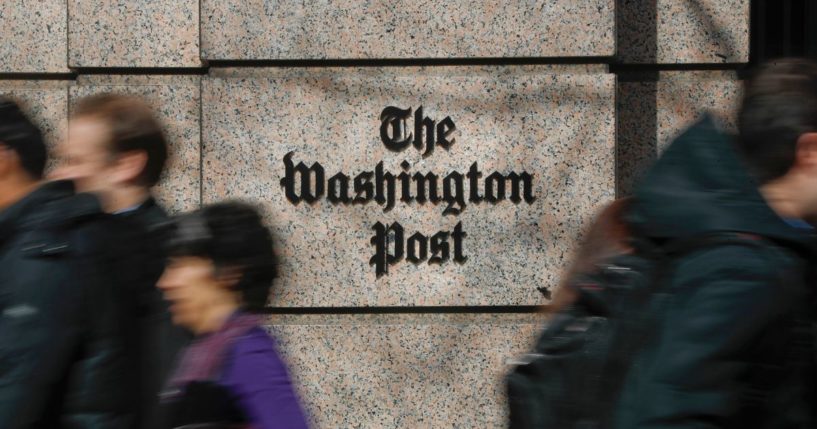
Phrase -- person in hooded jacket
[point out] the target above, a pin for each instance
(734, 347)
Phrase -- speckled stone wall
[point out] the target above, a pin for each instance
(582, 94)
(558, 127)
(34, 36)
(404, 370)
(655, 102)
(177, 102)
(684, 31)
(289, 29)
(123, 33)
(652, 112)
(45, 101)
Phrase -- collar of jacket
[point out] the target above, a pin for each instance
(150, 215)
(144, 206)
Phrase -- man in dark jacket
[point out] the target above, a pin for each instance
(115, 149)
(734, 347)
(61, 356)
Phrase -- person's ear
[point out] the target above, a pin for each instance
(229, 277)
(130, 165)
(8, 157)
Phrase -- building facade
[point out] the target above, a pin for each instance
(427, 167)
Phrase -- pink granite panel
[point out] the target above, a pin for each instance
(289, 29)
(558, 127)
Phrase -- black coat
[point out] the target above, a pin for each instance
(155, 341)
(61, 354)
(734, 347)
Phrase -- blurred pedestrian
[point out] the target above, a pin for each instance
(221, 268)
(734, 348)
(115, 148)
(61, 357)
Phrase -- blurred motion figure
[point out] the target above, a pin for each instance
(734, 345)
(61, 357)
(115, 148)
(221, 268)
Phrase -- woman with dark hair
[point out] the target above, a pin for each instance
(220, 268)
(609, 236)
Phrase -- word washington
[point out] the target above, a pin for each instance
(309, 184)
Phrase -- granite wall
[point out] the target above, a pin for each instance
(503, 125)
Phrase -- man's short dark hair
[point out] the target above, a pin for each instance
(21, 135)
(779, 105)
(133, 127)
(232, 235)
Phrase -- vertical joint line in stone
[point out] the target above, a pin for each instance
(201, 140)
(617, 192)
(67, 36)
(201, 60)
(636, 115)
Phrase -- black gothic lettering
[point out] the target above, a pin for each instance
(390, 245)
(384, 198)
(412, 249)
(439, 248)
(421, 122)
(364, 191)
(405, 183)
(427, 133)
(384, 235)
(421, 181)
(336, 195)
(458, 236)
(473, 177)
(495, 188)
(444, 130)
(455, 196)
(394, 118)
(288, 181)
(524, 179)
(423, 187)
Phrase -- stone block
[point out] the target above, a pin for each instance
(389, 371)
(358, 29)
(176, 100)
(46, 103)
(652, 113)
(683, 31)
(122, 33)
(34, 36)
(557, 127)
(684, 96)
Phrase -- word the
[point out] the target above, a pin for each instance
(394, 119)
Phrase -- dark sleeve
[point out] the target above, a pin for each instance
(718, 324)
(100, 390)
(258, 376)
(35, 353)
(61, 360)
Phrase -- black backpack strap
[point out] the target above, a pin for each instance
(669, 252)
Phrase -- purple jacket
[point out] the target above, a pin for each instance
(235, 371)
(258, 377)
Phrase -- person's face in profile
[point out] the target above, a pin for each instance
(194, 288)
(83, 156)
